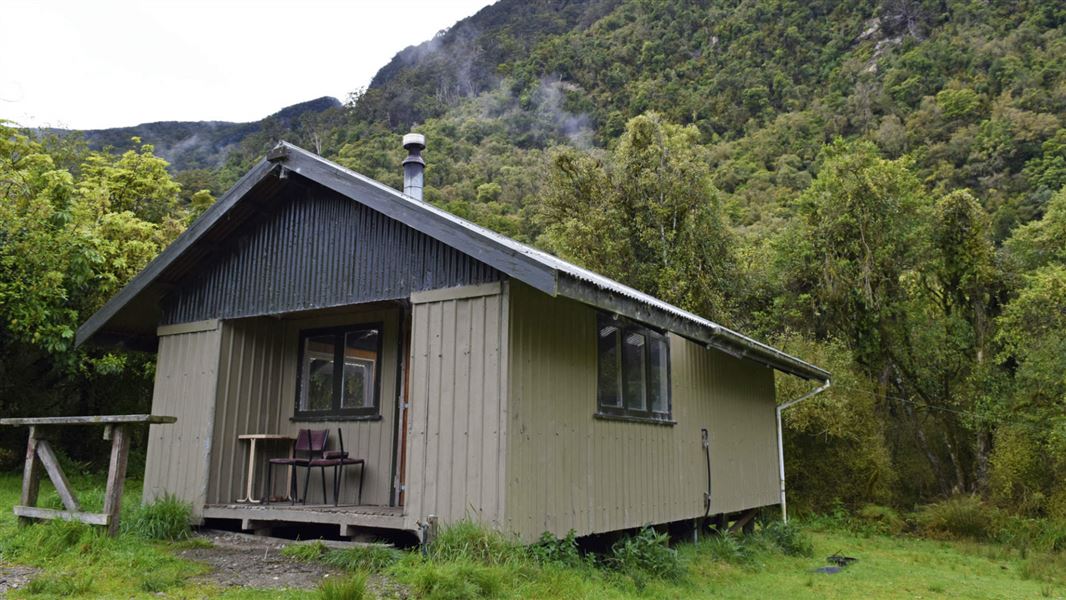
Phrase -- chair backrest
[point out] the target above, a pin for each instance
(311, 440)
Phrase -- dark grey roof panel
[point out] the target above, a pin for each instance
(314, 248)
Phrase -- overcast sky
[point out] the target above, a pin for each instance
(108, 63)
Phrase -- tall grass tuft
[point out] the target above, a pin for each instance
(306, 551)
(63, 585)
(165, 519)
(352, 587)
(466, 540)
(373, 559)
(459, 580)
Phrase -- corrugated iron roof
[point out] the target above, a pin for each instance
(535, 267)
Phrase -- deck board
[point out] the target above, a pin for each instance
(344, 516)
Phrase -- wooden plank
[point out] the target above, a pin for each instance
(300, 514)
(55, 473)
(89, 420)
(31, 475)
(457, 293)
(191, 327)
(33, 512)
(116, 477)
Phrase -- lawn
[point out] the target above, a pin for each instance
(72, 560)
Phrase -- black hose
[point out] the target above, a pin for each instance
(707, 452)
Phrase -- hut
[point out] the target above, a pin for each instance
(478, 378)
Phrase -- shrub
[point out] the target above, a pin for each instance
(343, 588)
(552, 551)
(466, 540)
(961, 517)
(646, 553)
(874, 518)
(461, 580)
(362, 558)
(165, 519)
(306, 552)
(788, 538)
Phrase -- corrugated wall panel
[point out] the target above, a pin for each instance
(457, 426)
(186, 372)
(313, 248)
(257, 394)
(568, 470)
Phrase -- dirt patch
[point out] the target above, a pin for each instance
(239, 560)
(13, 577)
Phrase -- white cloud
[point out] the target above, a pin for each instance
(109, 63)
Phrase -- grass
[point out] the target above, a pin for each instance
(1024, 560)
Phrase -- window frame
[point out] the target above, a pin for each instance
(621, 412)
(336, 413)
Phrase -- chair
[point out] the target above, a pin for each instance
(338, 459)
(311, 442)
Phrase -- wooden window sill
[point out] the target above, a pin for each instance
(631, 419)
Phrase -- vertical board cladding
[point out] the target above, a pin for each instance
(186, 375)
(313, 248)
(257, 394)
(567, 469)
(457, 425)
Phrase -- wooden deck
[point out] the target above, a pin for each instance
(347, 517)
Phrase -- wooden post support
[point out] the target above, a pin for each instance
(55, 473)
(31, 475)
(116, 476)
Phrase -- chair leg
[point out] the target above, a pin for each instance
(337, 483)
(362, 471)
(325, 500)
(292, 486)
(266, 497)
(307, 485)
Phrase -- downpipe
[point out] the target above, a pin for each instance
(780, 441)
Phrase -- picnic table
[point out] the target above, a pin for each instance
(39, 453)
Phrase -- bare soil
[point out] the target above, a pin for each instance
(239, 560)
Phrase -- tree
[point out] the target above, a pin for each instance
(65, 249)
(646, 214)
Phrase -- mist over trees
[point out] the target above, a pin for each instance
(877, 187)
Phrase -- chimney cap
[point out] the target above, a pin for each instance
(414, 139)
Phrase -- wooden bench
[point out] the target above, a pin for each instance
(39, 453)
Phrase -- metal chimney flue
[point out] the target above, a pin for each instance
(413, 166)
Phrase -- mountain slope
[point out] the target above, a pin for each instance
(202, 144)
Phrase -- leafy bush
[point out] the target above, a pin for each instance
(459, 580)
(363, 558)
(466, 540)
(343, 588)
(550, 550)
(165, 519)
(961, 517)
(646, 554)
(306, 552)
(788, 538)
(874, 518)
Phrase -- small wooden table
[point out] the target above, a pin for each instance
(252, 438)
(39, 453)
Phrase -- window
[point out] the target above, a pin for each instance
(339, 372)
(633, 371)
